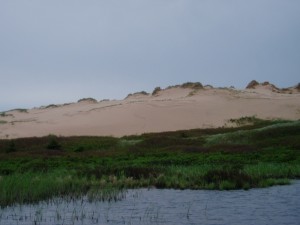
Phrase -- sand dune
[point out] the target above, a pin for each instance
(173, 108)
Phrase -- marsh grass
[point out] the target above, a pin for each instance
(257, 155)
(273, 170)
(33, 187)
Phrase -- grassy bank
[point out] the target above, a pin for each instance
(261, 154)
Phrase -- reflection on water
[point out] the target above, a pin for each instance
(275, 205)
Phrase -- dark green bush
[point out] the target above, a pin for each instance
(79, 149)
(156, 90)
(11, 147)
(53, 143)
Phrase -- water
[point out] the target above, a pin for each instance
(275, 205)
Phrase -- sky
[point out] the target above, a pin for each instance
(58, 51)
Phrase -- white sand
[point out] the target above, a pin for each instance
(172, 109)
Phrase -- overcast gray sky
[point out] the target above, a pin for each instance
(57, 51)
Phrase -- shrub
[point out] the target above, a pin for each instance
(51, 106)
(79, 149)
(53, 143)
(87, 100)
(143, 93)
(11, 147)
(193, 85)
(246, 120)
(252, 84)
(21, 110)
(232, 177)
(137, 93)
(156, 90)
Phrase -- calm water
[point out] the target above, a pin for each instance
(275, 205)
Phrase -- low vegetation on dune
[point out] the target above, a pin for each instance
(51, 106)
(290, 90)
(18, 110)
(87, 100)
(3, 122)
(137, 93)
(252, 84)
(156, 90)
(191, 85)
(258, 153)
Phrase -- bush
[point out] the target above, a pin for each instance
(23, 110)
(252, 84)
(232, 177)
(79, 149)
(11, 147)
(156, 90)
(193, 85)
(137, 93)
(53, 143)
(87, 100)
(51, 106)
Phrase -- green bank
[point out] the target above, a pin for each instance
(256, 153)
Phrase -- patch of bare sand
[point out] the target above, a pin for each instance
(170, 109)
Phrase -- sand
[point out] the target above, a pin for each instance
(171, 109)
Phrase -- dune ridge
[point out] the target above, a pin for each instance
(186, 106)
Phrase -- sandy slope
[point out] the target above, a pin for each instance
(172, 109)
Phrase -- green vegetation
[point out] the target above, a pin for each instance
(156, 90)
(137, 93)
(193, 85)
(22, 110)
(11, 147)
(51, 106)
(88, 99)
(246, 120)
(53, 143)
(260, 154)
(252, 84)
(5, 114)
(3, 122)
